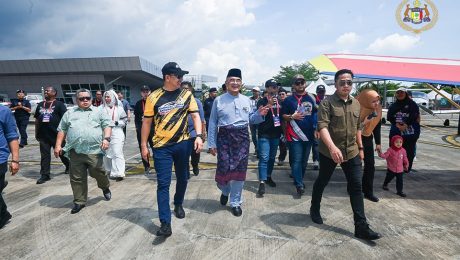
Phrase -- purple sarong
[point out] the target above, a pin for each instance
(232, 154)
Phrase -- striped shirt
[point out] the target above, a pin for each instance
(169, 110)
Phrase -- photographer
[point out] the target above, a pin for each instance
(269, 133)
(21, 108)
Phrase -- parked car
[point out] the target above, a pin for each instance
(34, 99)
(421, 98)
(5, 100)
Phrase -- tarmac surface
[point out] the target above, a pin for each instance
(425, 225)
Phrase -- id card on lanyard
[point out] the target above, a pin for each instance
(47, 113)
(276, 118)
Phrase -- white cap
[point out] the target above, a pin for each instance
(402, 89)
(256, 89)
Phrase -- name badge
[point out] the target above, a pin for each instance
(46, 118)
(276, 121)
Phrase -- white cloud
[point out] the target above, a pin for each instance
(394, 43)
(348, 39)
(247, 54)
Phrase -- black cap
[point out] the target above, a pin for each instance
(234, 73)
(213, 90)
(271, 83)
(173, 68)
(320, 88)
(20, 91)
(145, 88)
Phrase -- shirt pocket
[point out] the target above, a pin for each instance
(337, 118)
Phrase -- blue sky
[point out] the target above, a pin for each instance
(212, 36)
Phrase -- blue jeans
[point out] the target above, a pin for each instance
(267, 148)
(314, 150)
(235, 190)
(299, 152)
(164, 157)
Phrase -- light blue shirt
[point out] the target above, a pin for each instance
(84, 129)
(230, 110)
(191, 127)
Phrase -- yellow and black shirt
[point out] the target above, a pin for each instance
(169, 110)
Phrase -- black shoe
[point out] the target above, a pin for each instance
(147, 170)
(261, 190)
(237, 211)
(5, 219)
(290, 176)
(43, 179)
(107, 194)
(402, 194)
(165, 230)
(270, 182)
(385, 187)
(67, 171)
(223, 199)
(119, 178)
(179, 211)
(300, 191)
(21, 146)
(76, 208)
(371, 197)
(196, 172)
(316, 216)
(364, 232)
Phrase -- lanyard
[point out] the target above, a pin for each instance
(48, 110)
(277, 108)
(299, 100)
(113, 112)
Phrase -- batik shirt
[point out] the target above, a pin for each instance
(169, 110)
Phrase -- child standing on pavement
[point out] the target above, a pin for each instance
(397, 164)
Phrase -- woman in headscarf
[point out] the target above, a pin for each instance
(370, 115)
(404, 116)
(114, 160)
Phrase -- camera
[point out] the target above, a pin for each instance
(373, 114)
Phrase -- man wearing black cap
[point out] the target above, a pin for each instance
(138, 118)
(269, 133)
(299, 111)
(169, 108)
(207, 105)
(320, 95)
(21, 108)
(231, 114)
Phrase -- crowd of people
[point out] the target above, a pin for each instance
(172, 125)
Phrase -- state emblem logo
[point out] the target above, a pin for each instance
(418, 17)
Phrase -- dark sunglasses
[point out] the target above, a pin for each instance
(342, 83)
(299, 82)
(84, 98)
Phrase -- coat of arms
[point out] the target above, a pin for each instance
(417, 16)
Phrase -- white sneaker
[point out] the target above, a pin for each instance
(280, 163)
(415, 158)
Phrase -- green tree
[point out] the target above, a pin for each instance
(284, 77)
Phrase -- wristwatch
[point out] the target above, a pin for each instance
(107, 139)
(361, 148)
(200, 136)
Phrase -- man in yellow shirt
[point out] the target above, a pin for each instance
(168, 107)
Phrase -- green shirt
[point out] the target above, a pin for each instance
(341, 118)
(84, 129)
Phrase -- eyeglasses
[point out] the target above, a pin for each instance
(342, 83)
(177, 76)
(238, 81)
(299, 82)
(84, 98)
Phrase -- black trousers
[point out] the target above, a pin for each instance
(369, 165)
(45, 161)
(194, 157)
(399, 180)
(283, 151)
(352, 170)
(3, 209)
(146, 163)
(22, 123)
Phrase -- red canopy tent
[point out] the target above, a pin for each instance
(434, 71)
